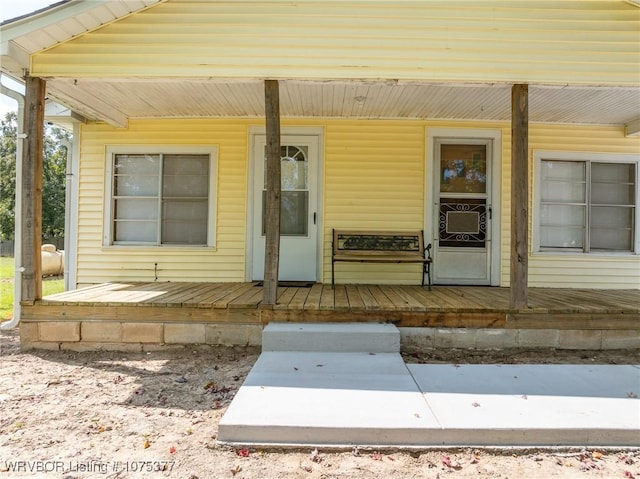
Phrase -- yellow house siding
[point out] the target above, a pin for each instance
(97, 263)
(374, 179)
(568, 270)
(556, 42)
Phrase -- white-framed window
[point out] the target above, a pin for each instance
(160, 196)
(586, 203)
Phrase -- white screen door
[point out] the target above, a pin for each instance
(463, 212)
(299, 208)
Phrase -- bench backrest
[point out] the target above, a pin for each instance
(378, 242)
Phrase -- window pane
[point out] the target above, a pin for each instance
(562, 226)
(141, 231)
(463, 169)
(138, 185)
(138, 208)
(294, 168)
(184, 221)
(186, 164)
(611, 228)
(612, 184)
(294, 213)
(185, 176)
(563, 182)
(137, 164)
(136, 175)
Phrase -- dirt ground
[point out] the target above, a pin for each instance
(155, 414)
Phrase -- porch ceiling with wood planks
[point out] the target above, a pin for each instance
(598, 36)
(116, 100)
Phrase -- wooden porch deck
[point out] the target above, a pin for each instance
(405, 306)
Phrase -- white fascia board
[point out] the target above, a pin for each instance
(29, 24)
(14, 59)
(60, 114)
(632, 128)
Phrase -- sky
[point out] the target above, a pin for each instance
(12, 9)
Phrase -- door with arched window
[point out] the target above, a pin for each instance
(299, 208)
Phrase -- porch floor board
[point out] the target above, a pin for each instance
(403, 305)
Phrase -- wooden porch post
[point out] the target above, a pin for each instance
(32, 170)
(272, 248)
(519, 194)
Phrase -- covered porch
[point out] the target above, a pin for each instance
(381, 122)
(149, 313)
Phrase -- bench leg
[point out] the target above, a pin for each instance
(426, 270)
(333, 275)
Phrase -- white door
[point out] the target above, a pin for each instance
(463, 210)
(299, 208)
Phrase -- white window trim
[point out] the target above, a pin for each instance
(539, 156)
(113, 150)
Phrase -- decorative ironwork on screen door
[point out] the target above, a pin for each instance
(463, 222)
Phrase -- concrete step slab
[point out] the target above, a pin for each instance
(537, 405)
(374, 399)
(318, 398)
(331, 337)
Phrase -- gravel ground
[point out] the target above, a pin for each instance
(154, 415)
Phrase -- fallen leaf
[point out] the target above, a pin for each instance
(628, 460)
(629, 475)
(146, 444)
(597, 455)
(210, 385)
(315, 456)
(172, 450)
(446, 460)
(244, 452)
(236, 470)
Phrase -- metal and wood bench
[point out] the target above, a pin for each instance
(381, 247)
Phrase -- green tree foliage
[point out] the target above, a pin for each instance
(7, 175)
(53, 182)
